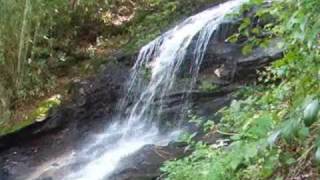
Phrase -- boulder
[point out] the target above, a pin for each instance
(145, 164)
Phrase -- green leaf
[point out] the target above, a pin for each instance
(247, 49)
(303, 133)
(258, 2)
(317, 155)
(310, 113)
(235, 162)
(233, 38)
(250, 151)
(289, 130)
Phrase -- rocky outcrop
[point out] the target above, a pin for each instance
(93, 104)
(145, 163)
(229, 63)
(229, 69)
(95, 99)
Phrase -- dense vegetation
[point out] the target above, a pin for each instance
(274, 126)
(45, 44)
(272, 130)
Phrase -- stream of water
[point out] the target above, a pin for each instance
(164, 56)
(161, 61)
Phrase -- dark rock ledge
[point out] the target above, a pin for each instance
(94, 103)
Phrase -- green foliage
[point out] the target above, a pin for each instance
(26, 47)
(310, 112)
(207, 86)
(155, 15)
(275, 127)
(39, 114)
(22, 25)
(36, 36)
(4, 106)
(39, 39)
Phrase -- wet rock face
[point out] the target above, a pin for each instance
(94, 102)
(226, 66)
(68, 127)
(226, 61)
(3, 174)
(145, 164)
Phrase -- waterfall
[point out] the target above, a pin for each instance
(153, 77)
(165, 56)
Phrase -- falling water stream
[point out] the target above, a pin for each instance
(139, 123)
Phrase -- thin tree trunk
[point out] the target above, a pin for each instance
(73, 4)
(21, 43)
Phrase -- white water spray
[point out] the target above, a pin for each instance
(165, 57)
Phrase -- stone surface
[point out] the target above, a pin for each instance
(94, 102)
(145, 164)
(68, 127)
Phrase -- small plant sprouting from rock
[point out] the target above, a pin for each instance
(207, 86)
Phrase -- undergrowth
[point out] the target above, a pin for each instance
(274, 129)
(42, 43)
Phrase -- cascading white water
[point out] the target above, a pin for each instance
(164, 56)
(139, 126)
